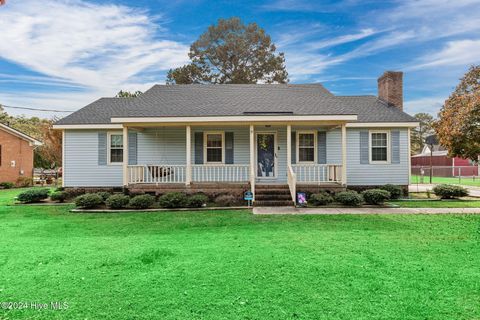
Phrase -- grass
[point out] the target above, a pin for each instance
(438, 204)
(233, 265)
(467, 181)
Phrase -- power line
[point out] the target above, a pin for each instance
(34, 109)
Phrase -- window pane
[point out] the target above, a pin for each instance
(379, 139)
(306, 154)
(306, 139)
(214, 140)
(214, 155)
(116, 155)
(116, 141)
(379, 154)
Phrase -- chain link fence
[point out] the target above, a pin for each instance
(465, 175)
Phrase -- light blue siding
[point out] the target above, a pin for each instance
(81, 168)
(167, 145)
(376, 174)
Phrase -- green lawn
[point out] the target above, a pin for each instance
(438, 204)
(467, 181)
(233, 265)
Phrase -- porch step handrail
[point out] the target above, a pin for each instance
(316, 173)
(220, 173)
(292, 183)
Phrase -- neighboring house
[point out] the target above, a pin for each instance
(16, 154)
(205, 137)
(443, 165)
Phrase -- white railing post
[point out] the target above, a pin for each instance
(188, 176)
(344, 154)
(125, 156)
(252, 160)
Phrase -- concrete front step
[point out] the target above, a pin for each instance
(272, 192)
(273, 203)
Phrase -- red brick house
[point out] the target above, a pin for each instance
(16, 154)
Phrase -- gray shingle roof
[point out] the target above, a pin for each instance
(235, 100)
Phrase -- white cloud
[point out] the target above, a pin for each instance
(428, 105)
(103, 48)
(455, 53)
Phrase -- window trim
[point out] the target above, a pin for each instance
(388, 133)
(205, 142)
(315, 146)
(109, 147)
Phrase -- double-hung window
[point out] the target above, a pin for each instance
(379, 146)
(214, 147)
(115, 148)
(306, 146)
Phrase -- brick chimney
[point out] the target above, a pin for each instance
(390, 88)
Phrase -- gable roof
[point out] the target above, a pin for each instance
(20, 134)
(236, 100)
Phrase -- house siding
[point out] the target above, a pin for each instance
(376, 174)
(166, 145)
(81, 168)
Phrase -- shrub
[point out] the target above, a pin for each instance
(88, 201)
(73, 192)
(105, 195)
(197, 201)
(117, 201)
(7, 185)
(226, 200)
(23, 182)
(396, 192)
(173, 200)
(143, 201)
(349, 198)
(33, 195)
(58, 196)
(448, 191)
(320, 199)
(376, 196)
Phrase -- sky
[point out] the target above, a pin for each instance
(64, 54)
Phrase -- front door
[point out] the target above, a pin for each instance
(266, 155)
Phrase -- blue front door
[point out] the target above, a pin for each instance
(266, 155)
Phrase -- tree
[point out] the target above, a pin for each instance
(49, 155)
(420, 133)
(458, 127)
(128, 94)
(232, 52)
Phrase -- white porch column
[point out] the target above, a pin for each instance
(252, 159)
(344, 154)
(125, 156)
(188, 171)
(289, 145)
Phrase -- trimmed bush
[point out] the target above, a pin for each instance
(105, 195)
(226, 200)
(173, 200)
(24, 182)
(88, 201)
(449, 191)
(33, 195)
(58, 196)
(320, 199)
(349, 198)
(396, 192)
(7, 185)
(117, 201)
(376, 196)
(143, 201)
(197, 201)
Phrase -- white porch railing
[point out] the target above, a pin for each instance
(292, 183)
(220, 173)
(315, 173)
(156, 173)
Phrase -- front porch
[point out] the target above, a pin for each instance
(246, 156)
